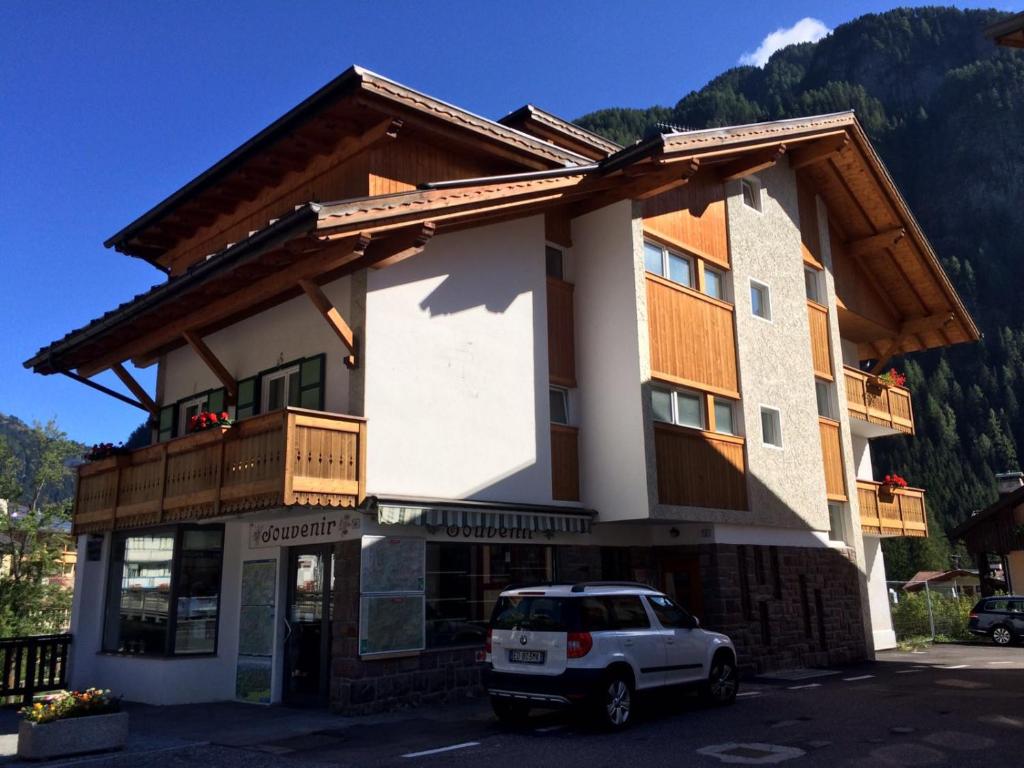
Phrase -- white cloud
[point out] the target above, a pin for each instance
(807, 30)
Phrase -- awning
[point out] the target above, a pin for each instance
(480, 516)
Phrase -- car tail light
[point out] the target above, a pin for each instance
(578, 645)
(487, 642)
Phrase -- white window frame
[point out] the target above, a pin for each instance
(768, 299)
(761, 409)
(844, 533)
(665, 251)
(673, 393)
(568, 408)
(721, 281)
(755, 185)
(203, 403)
(715, 400)
(284, 373)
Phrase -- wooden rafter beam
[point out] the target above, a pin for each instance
(105, 390)
(134, 387)
(752, 163)
(817, 152)
(667, 180)
(213, 363)
(867, 245)
(390, 251)
(910, 328)
(333, 317)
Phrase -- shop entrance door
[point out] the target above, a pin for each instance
(307, 645)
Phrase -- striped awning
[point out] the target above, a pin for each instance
(481, 520)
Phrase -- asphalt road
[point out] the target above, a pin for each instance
(951, 705)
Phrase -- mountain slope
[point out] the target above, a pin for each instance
(945, 109)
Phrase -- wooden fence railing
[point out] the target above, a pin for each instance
(871, 401)
(31, 665)
(899, 512)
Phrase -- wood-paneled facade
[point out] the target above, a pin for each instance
(700, 469)
(897, 512)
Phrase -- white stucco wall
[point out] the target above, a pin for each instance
(786, 486)
(878, 595)
(610, 323)
(278, 335)
(456, 369)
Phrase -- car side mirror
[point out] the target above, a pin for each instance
(696, 622)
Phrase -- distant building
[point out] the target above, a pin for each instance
(999, 530)
(67, 558)
(1008, 32)
(955, 583)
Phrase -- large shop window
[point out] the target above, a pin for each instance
(464, 581)
(163, 591)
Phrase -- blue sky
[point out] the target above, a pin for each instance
(107, 108)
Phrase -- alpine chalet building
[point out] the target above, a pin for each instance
(460, 354)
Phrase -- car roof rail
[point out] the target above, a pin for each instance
(530, 584)
(581, 586)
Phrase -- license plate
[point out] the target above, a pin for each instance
(526, 657)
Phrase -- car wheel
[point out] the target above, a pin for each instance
(1002, 635)
(614, 706)
(511, 712)
(723, 681)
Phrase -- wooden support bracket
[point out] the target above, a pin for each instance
(752, 163)
(391, 250)
(333, 318)
(911, 327)
(857, 249)
(206, 355)
(818, 151)
(134, 387)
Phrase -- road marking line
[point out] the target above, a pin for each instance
(956, 666)
(426, 752)
(907, 671)
(549, 729)
(748, 693)
(1002, 662)
(801, 687)
(854, 679)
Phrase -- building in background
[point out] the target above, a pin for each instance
(461, 353)
(998, 531)
(1009, 32)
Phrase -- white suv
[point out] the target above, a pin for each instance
(596, 644)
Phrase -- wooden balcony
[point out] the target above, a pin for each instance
(886, 407)
(700, 469)
(565, 463)
(900, 513)
(278, 459)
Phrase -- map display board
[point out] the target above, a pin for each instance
(256, 631)
(392, 600)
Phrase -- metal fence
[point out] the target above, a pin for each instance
(926, 613)
(31, 665)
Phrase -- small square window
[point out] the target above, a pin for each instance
(555, 262)
(751, 193)
(714, 283)
(723, 417)
(559, 405)
(771, 427)
(812, 285)
(661, 405)
(679, 269)
(689, 410)
(836, 522)
(823, 391)
(760, 300)
(654, 259)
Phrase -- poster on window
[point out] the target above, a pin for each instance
(392, 564)
(391, 623)
(256, 631)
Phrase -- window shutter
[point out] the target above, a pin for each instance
(247, 404)
(167, 422)
(311, 383)
(215, 401)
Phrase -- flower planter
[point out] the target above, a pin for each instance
(72, 736)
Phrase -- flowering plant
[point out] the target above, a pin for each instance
(894, 481)
(104, 451)
(893, 378)
(207, 420)
(64, 704)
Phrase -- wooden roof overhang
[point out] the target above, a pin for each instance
(549, 127)
(1008, 32)
(350, 109)
(869, 216)
(997, 529)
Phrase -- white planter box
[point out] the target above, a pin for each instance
(73, 736)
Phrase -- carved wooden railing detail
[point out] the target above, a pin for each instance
(283, 458)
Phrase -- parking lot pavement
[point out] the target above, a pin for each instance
(951, 705)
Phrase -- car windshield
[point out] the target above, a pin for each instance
(546, 614)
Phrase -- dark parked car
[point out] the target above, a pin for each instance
(1002, 618)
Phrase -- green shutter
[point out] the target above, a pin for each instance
(247, 404)
(311, 383)
(168, 421)
(215, 401)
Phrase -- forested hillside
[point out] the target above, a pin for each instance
(26, 445)
(945, 109)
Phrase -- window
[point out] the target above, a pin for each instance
(751, 193)
(760, 300)
(555, 259)
(812, 285)
(163, 591)
(771, 427)
(188, 409)
(689, 410)
(823, 391)
(559, 405)
(661, 405)
(836, 522)
(464, 581)
(281, 389)
(669, 614)
(628, 612)
(714, 283)
(723, 417)
(666, 263)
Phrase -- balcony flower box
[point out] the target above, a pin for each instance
(891, 484)
(72, 723)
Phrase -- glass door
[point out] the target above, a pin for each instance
(308, 624)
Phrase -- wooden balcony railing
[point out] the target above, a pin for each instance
(700, 469)
(292, 456)
(565, 463)
(900, 513)
(876, 403)
(31, 665)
